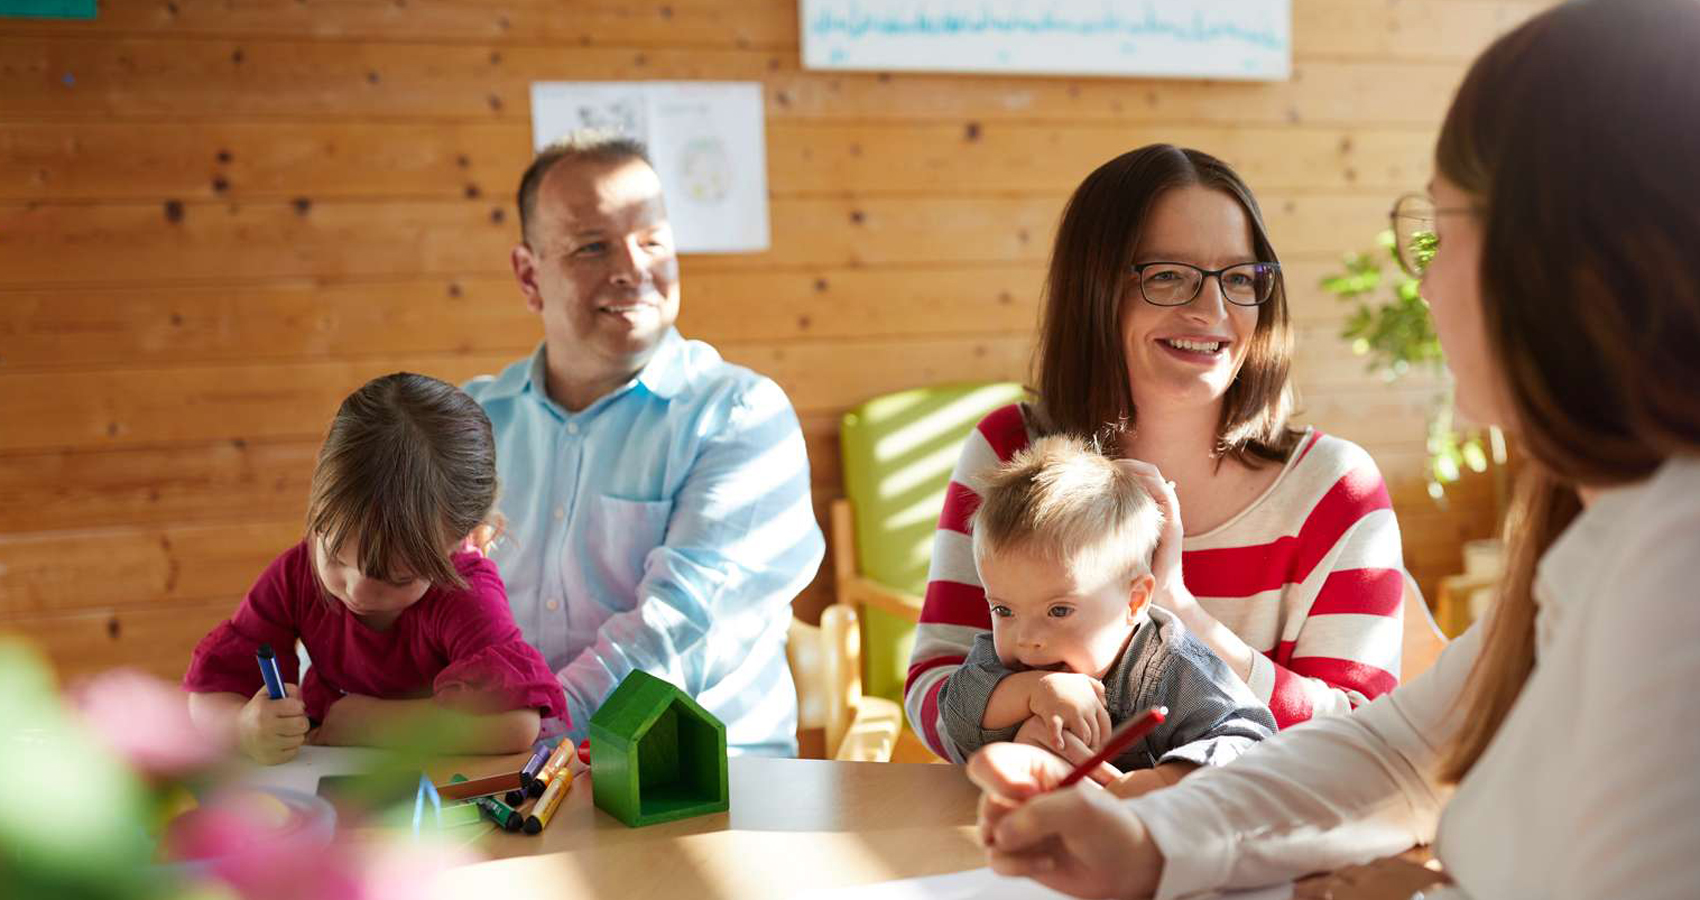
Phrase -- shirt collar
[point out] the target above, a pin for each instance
(664, 375)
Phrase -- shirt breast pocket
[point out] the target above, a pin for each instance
(619, 535)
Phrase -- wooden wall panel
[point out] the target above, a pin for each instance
(103, 161)
(83, 244)
(217, 218)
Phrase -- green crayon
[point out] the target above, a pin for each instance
(504, 815)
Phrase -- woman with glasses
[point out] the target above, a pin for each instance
(1551, 752)
(1165, 338)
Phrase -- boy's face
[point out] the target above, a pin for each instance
(1046, 615)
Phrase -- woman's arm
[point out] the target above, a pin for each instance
(358, 720)
(1330, 792)
(1348, 587)
(955, 611)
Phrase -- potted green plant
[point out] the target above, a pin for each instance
(1390, 325)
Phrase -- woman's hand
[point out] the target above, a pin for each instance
(1170, 590)
(1385, 879)
(1078, 840)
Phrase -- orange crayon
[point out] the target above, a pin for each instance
(557, 761)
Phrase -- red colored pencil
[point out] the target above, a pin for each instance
(1120, 739)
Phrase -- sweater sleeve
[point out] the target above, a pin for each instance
(954, 610)
(1330, 792)
(224, 661)
(491, 668)
(964, 696)
(1340, 645)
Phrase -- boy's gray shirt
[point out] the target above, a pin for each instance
(1213, 717)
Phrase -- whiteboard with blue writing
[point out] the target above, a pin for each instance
(1236, 39)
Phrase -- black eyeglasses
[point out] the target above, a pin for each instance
(1414, 238)
(1178, 283)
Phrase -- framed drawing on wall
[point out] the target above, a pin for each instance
(1228, 39)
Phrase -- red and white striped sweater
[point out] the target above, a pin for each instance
(1310, 574)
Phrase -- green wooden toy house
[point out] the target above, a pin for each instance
(656, 755)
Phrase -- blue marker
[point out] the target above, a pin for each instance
(268, 671)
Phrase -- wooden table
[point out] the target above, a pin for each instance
(793, 824)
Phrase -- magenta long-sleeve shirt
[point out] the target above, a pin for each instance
(460, 646)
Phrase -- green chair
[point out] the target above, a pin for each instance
(899, 450)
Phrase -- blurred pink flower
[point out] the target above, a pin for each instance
(146, 720)
(266, 850)
(263, 849)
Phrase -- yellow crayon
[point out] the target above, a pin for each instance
(551, 799)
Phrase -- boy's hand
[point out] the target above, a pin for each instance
(1068, 701)
(272, 731)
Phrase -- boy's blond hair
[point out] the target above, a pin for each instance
(1063, 500)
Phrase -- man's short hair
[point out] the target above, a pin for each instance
(593, 145)
(1061, 499)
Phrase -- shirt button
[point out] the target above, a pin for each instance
(572, 428)
(553, 605)
(560, 513)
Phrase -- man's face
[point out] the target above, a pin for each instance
(600, 268)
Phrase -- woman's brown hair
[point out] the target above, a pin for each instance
(1081, 365)
(1577, 137)
(407, 470)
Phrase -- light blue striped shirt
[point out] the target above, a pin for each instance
(666, 527)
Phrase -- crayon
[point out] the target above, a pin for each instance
(529, 771)
(557, 762)
(268, 671)
(1119, 740)
(479, 787)
(550, 801)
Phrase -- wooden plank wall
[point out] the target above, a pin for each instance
(217, 218)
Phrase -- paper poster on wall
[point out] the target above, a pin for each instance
(1237, 39)
(707, 140)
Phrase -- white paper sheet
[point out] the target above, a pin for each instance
(983, 884)
(302, 773)
(707, 140)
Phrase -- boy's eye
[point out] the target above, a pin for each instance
(1001, 611)
(1060, 612)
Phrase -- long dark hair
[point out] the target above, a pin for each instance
(1577, 136)
(409, 467)
(1081, 366)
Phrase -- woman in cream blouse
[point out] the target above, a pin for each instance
(1553, 751)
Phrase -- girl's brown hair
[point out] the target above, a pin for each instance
(1577, 136)
(408, 469)
(1081, 365)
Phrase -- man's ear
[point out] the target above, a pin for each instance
(524, 263)
(1139, 594)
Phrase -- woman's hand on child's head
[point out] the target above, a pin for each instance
(1169, 591)
(1071, 702)
(272, 731)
